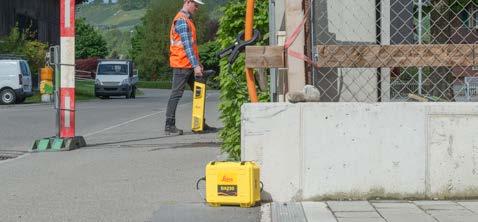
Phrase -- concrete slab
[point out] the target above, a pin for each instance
(384, 211)
(266, 214)
(409, 218)
(203, 213)
(401, 211)
(447, 218)
(288, 212)
(347, 206)
(361, 220)
(326, 158)
(357, 215)
(473, 206)
(442, 207)
(433, 202)
(402, 205)
(437, 213)
(318, 211)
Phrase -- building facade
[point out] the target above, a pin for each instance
(40, 17)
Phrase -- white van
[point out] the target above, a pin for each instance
(15, 80)
(115, 78)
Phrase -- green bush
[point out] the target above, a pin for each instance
(23, 44)
(154, 84)
(210, 61)
(232, 79)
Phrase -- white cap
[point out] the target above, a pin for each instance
(199, 2)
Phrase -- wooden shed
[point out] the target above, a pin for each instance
(39, 16)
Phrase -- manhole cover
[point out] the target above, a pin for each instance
(6, 155)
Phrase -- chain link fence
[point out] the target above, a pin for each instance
(430, 52)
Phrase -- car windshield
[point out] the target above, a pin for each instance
(113, 69)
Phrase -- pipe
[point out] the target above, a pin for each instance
(251, 85)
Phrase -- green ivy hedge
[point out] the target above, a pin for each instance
(232, 79)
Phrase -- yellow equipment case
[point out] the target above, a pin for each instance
(233, 183)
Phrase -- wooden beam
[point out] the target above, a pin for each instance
(372, 56)
(294, 15)
(265, 57)
(376, 56)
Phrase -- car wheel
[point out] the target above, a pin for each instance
(133, 94)
(7, 96)
(129, 93)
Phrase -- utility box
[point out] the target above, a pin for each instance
(233, 183)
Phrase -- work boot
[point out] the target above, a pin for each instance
(171, 128)
(208, 128)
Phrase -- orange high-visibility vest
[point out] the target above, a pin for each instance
(178, 57)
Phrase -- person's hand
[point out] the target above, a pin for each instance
(198, 71)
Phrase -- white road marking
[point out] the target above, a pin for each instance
(17, 158)
(124, 123)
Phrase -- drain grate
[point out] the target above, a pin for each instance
(7, 155)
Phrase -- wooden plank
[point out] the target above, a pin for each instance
(265, 57)
(375, 56)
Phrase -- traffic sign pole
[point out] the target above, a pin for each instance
(67, 140)
(67, 68)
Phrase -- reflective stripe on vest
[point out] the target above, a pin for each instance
(179, 43)
(178, 57)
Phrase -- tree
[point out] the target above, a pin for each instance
(22, 43)
(89, 42)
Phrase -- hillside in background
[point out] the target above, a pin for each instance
(110, 16)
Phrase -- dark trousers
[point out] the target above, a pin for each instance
(181, 77)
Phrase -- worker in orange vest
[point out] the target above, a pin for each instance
(184, 60)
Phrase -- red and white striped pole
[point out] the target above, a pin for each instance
(67, 69)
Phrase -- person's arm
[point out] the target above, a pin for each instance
(182, 29)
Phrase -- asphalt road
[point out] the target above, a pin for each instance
(130, 170)
(22, 124)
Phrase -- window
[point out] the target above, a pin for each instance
(113, 69)
(24, 68)
(27, 23)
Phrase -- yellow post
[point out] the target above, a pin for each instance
(46, 78)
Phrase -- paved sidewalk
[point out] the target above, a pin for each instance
(374, 211)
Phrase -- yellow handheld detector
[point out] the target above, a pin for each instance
(199, 101)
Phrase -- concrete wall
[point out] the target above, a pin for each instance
(314, 151)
